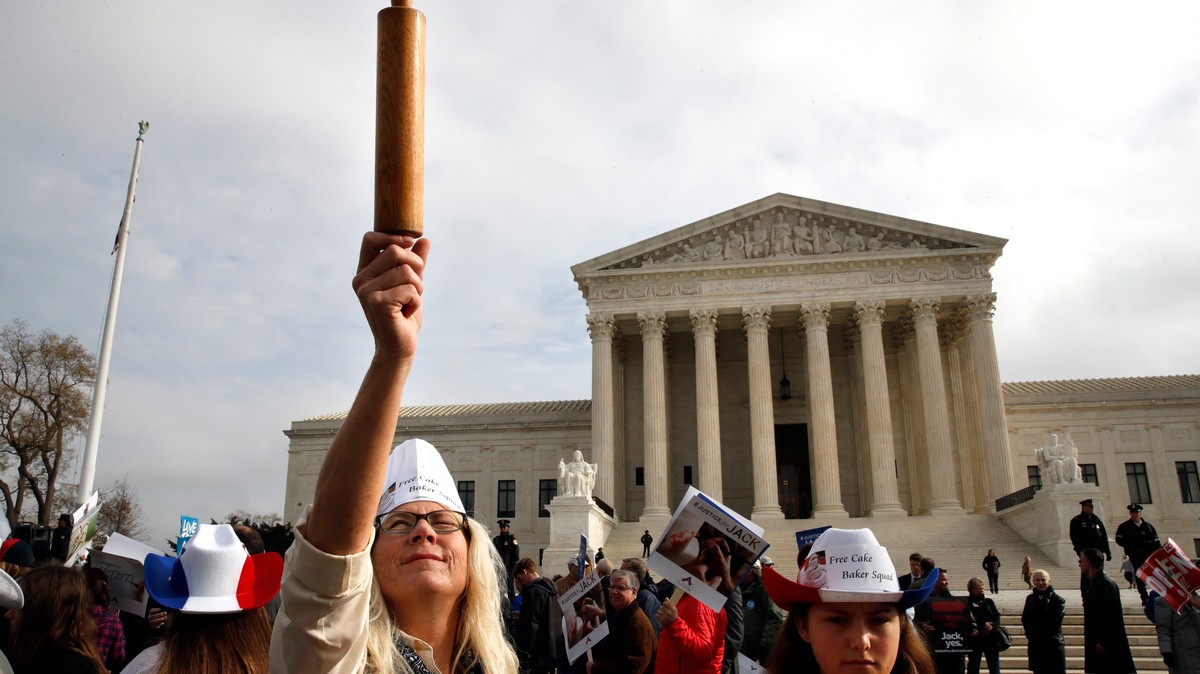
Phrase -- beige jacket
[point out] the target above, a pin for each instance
(322, 623)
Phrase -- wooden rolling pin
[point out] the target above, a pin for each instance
(400, 121)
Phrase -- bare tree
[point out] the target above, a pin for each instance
(45, 397)
(120, 513)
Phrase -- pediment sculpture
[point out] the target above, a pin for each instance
(782, 233)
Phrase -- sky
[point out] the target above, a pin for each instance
(556, 132)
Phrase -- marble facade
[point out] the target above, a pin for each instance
(883, 326)
(889, 326)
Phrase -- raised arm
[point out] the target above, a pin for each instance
(389, 286)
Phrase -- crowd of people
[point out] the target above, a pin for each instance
(388, 574)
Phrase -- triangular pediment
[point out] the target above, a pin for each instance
(783, 227)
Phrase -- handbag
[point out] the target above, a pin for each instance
(1003, 638)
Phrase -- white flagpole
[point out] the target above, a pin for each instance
(88, 473)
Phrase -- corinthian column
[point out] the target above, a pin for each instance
(827, 484)
(708, 420)
(943, 495)
(654, 413)
(601, 328)
(993, 427)
(886, 494)
(757, 321)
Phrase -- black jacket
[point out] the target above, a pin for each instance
(539, 627)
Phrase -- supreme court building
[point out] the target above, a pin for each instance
(794, 358)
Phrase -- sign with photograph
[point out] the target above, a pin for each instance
(121, 560)
(706, 549)
(584, 620)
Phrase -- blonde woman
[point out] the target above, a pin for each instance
(387, 573)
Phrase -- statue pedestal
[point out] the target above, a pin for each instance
(1045, 521)
(571, 516)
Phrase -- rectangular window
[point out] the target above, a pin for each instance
(1139, 483)
(1034, 473)
(506, 498)
(547, 490)
(687, 474)
(466, 493)
(1189, 482)
(639, 476)
(1089, 473)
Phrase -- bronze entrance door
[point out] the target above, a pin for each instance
(795, 476)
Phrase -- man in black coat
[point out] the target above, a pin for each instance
(1087, 531)
(510, 553)
(1140, 539)
(539, 627)
(1105, 642)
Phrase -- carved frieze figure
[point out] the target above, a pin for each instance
(577, 478)
(735, 246)
(854, 242)
(1059, 462)
(829, 242)
(802, 238)
(714, 249)
(781, 237)
(758, 245)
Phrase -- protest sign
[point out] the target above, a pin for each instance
(706, 549)
(85, 526)
(121, 560)
(950, 618)
(584, 620)
(188, 526)
(748, 666)
(807, 536)
(1170, 573)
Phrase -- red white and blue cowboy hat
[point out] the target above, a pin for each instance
(845, 565)
(214, 574)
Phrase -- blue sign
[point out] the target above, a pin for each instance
(188, 526)
(581, 559)
(807, 536)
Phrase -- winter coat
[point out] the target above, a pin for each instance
(539, 627)
(763, 620)
(694, 643)
(1104, 623)
(1179, 635)
(629, 647)
(1042, 619)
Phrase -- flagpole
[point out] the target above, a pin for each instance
(88, 473)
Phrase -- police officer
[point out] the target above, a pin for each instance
(1140, 539)
(510, 553)
(1087, 531)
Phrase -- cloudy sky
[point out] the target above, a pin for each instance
(558, 131)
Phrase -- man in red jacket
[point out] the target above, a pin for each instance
(692, 639)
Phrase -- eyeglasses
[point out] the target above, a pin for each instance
(401, 522)
(614, 588)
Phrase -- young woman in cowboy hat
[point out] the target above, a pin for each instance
(217, 590)
(403, 582)
(847, 612)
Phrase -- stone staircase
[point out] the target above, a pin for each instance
(957, 543)
(1142, 642)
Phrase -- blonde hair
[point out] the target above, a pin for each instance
(480, 637)
(1041, 572)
